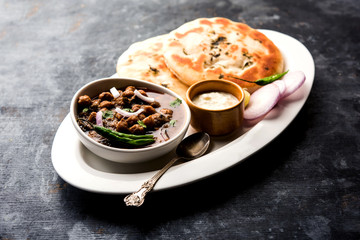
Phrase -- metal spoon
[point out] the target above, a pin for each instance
(191, 147)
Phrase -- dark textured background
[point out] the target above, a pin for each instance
(304, 185)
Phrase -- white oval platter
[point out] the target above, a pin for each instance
(84, 170)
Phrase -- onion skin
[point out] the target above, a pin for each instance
(115, 92)
(281, 85)
(129, 114)
(142, 97)
(293, 81)
(262, 101)
(99, 121)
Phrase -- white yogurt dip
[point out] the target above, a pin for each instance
(215, 100)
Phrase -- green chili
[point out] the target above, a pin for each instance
(263, 81)
(270, 79)
(131, 139)
(141, 142)
(120, 134)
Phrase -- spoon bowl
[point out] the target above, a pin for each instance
(191, 147)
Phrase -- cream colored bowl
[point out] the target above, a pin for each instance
(125, 155)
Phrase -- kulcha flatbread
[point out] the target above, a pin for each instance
(144, 60)
(217, 48)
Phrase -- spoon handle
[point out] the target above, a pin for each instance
(137, 198)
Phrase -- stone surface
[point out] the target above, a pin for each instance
(303, 185)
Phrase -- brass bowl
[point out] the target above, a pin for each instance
(216, 122)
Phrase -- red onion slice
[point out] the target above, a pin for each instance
(129, 114)
(142, 97)
(262, 101)
(114, 92)
(99, 120)
(293, 81)
(281, 85)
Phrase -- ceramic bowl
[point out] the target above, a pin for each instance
(125, 155)
(216, 122)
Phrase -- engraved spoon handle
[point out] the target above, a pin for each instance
(137, 198)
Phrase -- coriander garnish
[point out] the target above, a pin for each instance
(107, 114)
(176, 103)
(172, 123)
(141, 123)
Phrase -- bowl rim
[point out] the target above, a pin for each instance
(193, 105)
(140, 82)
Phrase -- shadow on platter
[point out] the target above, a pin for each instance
(100, 164)
(209, 193)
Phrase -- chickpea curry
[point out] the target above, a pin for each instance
(132, 117)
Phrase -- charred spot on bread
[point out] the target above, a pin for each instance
(154, 70)
(218, 41)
